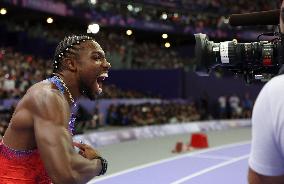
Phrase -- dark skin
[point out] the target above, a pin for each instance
(40, 120)
(257, 178)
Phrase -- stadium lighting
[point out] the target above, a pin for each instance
(137, 9)
(165, 36)
(130, 7)
(49, 20)
(93, 2)
(3, 11)
(164, 16)
(167, 44)
(129, 32)
(93, 28)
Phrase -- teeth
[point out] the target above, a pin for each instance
(104, 75)
(100, 90)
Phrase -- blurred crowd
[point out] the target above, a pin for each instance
(200, 13)
(178, 11)
(18, 72)
(149, 114)
(168, 111)
(111, 91)
(5, 116)
(235, 107)
(125, 51)
(226, 107)
(122, 51)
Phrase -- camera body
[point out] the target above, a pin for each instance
(255, 61)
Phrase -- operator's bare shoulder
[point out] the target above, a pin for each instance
(45, 101)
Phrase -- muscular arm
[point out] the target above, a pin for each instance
(51, 114)
(255, 178)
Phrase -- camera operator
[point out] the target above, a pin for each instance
(266, 160)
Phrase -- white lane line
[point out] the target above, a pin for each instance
(166, 160)
(210, 169)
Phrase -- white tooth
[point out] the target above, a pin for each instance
(100, 90)
(104, 75)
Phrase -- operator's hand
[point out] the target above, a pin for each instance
(87, 151)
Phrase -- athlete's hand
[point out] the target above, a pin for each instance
(87, 151)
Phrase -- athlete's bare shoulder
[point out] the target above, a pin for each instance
(41, 103)
(44, 101)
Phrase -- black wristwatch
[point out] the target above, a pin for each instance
(104, 165)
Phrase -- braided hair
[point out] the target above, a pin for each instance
(68, 47)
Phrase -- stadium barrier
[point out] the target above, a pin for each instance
(102, 138)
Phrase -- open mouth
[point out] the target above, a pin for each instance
(100, 80)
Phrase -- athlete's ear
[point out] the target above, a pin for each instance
(70, 64)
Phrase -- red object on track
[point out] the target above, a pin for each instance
(199, 140)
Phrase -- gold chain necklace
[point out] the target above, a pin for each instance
(65, 86)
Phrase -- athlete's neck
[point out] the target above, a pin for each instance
(71, 84)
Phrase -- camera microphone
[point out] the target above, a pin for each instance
(270, 17)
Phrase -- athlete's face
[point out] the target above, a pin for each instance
(92, 69)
